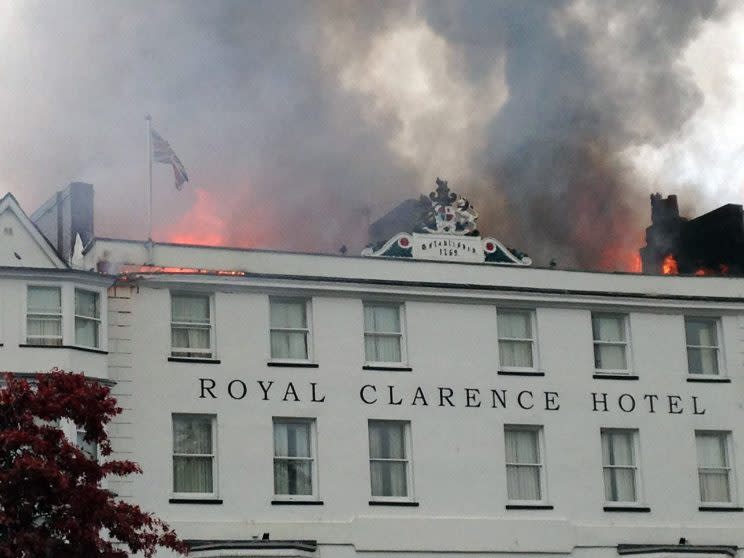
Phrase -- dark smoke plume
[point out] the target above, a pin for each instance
(299, 122)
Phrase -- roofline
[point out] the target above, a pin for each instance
(64, 273)
(388, 258)
(212, 247)
(36, 233)
(432, 285)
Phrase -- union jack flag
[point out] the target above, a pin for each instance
(162, 152)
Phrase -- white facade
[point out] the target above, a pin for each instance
(465, 404)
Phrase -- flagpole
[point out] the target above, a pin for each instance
(148, 118)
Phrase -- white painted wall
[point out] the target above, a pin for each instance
(458, 453)
(16, 358)
(17, 247)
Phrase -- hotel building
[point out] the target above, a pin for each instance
(437, 396)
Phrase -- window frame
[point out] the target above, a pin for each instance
(408, 447)
(532, 314)
(214, 455)
(718, 348)
(75, 316)
(403, 362)
(637, 476)
(730, 469)
(201, 354)
(61, 289)
(308, 330)
(312, 423)
(626, 344)
(540, 431)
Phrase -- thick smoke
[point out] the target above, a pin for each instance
(300, 122)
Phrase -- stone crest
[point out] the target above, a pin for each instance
(449, 213)
(447, 231)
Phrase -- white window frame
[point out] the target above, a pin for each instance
(718, 347)
(68, 314)
(540, 431)
(637, 477)
(401, 335)
(205, 354)
(61, 314)
(628, 370)
(308, 330)
(313, 458)
(533, 341)
(728, 447)
(213, 455)
(98, 321)
(408, 446)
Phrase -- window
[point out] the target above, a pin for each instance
(619, 465)
(516, 339)
(88, 448)
(389, 450)
(610, 344)
(524, 467)
(294, 464)
(714, 467)
(383, 333)
(191, 326)
(702, 345)
(193, 454)
(87, 318)
(44, 316)
(289, 329)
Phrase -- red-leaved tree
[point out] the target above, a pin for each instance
(51, 500)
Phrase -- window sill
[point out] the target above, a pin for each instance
(703, 379)
(609, 376)
(630, 509)
(393, 503)
(297, 502)
(289, 364)
(520, 373)
(720, 509)
(73, 347)
(194, 360)
(387, 368)
(202, 501)
(529, 507)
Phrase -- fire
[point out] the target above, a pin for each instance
(723, 269)
(636, 266)
(669, 265)
(154, 269)
(201, 225)
(621, 258)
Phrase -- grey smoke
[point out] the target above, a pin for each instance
(252, 97)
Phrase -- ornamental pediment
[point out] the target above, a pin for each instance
(447, 231)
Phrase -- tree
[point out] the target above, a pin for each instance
(51, 500)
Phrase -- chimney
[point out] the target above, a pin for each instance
(711, 244)
(66, 214)
(663, 236)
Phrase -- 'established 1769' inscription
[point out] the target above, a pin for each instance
(468, 397)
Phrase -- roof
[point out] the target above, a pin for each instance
(9, 203)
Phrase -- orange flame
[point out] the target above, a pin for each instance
(621, 258)
(201, 225)
(128, 269)
(723, 269)
(669, 265)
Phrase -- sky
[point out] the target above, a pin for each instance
(301, 122)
